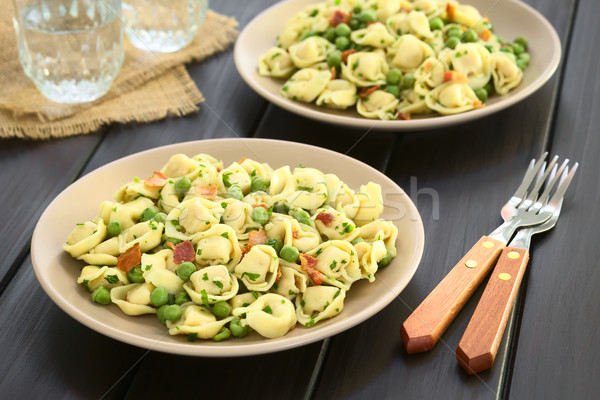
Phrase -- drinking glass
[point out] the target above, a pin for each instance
(71, 49)
(163, 26)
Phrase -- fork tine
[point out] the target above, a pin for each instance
(533, 195)
(560, 192)
(546, 195)
(532, 171)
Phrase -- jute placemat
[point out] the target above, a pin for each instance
(149, 86)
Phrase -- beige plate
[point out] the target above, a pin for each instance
(511, 18)
(57, 272)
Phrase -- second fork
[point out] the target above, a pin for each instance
(423, 328)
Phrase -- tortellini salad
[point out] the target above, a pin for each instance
(391, 59)
(218, 251)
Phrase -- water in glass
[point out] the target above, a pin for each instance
(71, 49)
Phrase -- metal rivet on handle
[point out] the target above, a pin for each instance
(488, 244)
(471, 264)
(504, 276)
(513, 255)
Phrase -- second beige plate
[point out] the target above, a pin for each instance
(511, 18)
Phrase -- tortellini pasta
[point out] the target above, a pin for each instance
(284, 249)
(392, 59)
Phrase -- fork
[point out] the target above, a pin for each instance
(423, 328)
(478, 347)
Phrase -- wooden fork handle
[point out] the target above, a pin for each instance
(422, 329)
(479, 345)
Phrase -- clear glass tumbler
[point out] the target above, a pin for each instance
(163, 26)
(71, 49)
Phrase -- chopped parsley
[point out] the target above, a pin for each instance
(311, 322)
(86, 285)
(251, 276)
(192, 336)
(225, 235)
(199, 252)
(112, 279)
(205, 277)
(226, 181)
(333, 265)
(204, 297)
(268, 310)
(348, 227)
(147, 268)
(255, 294)
(292, 293)
(218, 284)
(306, 188)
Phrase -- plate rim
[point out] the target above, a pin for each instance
(223, 351)
(397, 126)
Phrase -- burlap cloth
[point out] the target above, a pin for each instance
(149, 86)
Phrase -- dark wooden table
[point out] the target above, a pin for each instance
(551, 349)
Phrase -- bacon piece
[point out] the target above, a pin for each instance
(338, 17)
(295, 234)
(254, 238)
(450, 10)
(184, 251)
(366, 91)
(158, 179)
(207, 192)
(333, 73)
(263, 205)
(325, 218)
(346, 53)
(308, 264)
(455, 76)
(279, 274)
(130, 258)
(404, 116)
(257, 237)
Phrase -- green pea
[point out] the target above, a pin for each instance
(524, 56)
(452, 42)
(367, 16)
(160, 313)
(114, 228)
(260, 215)
(507, 49)
(489, 88)
(522, 40)
(408, 81)
(481, 94)
(171, 312)
(518, 48)
(454, 31)
(393, 89)
(357, 240)
(160, 217)
(302, 216)
(185, 270)
(343, 30)
(289, 253)
(235, 192)
(182, 297)
(393, 76)
(307, 34)
(281, 208)
(237, 329)
(182, 185)
(354, 23)
(159, 296)
(436, 24)
(330, 34)
(469, 36)
(148, 214)
(171, 240)
(221, 309)
(170, 298)
(521, 64)
(385, 261)
(258, 183)
(223, 334)
(342, 43)
(135, 275)
(356, 9)
(334, 59)
(101, 295)
(275, 243)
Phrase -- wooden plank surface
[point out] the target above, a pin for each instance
(560, 326)
(459, 178)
